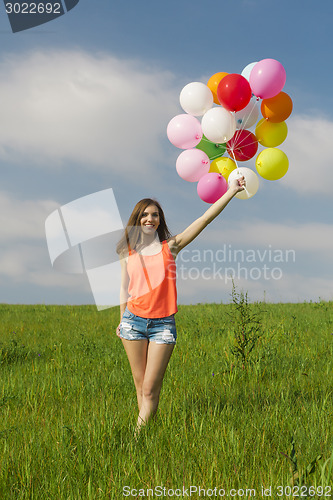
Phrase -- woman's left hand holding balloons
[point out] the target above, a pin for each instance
(238, 184)
(251, 184)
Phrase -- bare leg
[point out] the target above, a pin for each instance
(136, 351)
(148, 361)
(158, 357)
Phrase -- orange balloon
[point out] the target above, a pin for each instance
(213, 83)
(277, 108)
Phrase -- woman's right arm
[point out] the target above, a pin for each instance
(123, 288)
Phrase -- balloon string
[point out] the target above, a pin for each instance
(253, 106)
(234, 139)
(211, 142)
(217, 156)
(240, 174)
(232, 151)
(260, 124)
(242, 127)
(240, 142)
(216, 144)
(205, 140)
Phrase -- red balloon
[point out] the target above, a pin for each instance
(234, 92)
(243, 146)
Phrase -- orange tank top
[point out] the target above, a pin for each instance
(152, 285)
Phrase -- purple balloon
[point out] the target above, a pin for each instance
(211, 187)
(184, 131)
(267, 78)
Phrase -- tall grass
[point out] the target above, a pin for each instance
(68, 405)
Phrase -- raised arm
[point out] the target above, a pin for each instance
(178, 242)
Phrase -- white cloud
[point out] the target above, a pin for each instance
(14, 261)
(23, 219)
(316, 238)
(308, 147)
(291, 287)
(294, 287)
(24, 256)
(99, 111)
(29, 264)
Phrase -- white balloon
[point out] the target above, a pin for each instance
(218, 125)
(247, 70)
(251, 182)
(196, 98)
(247, 117)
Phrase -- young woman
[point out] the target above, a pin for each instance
(148, 296)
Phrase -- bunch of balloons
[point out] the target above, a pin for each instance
(228, 105)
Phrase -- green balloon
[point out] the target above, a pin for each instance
(211, 149)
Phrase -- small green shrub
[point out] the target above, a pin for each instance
(246, 328)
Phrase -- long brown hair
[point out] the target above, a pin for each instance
(133, 229)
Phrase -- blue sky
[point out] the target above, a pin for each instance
(84, 105)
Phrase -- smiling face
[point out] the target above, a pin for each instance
(150, 220)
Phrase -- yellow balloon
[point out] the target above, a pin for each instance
(272, 164)
(271, 134)
(223, 165)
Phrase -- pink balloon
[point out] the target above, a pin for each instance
(184, 131)
(267, 78)
(192, 164)
(211, 187)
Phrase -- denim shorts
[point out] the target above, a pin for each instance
(159, 330)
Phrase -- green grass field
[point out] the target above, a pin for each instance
(68, 407)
